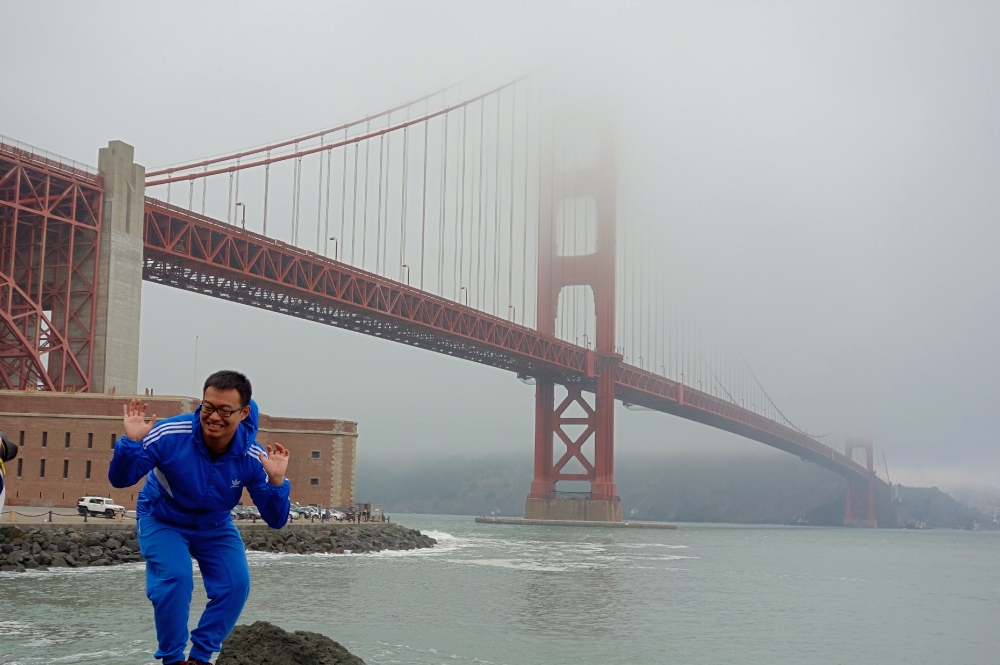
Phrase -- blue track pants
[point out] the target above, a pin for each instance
(222, 558)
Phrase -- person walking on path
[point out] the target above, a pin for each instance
(196, 466)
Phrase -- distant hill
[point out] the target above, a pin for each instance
(771, 488)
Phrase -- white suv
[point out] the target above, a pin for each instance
(99, 505)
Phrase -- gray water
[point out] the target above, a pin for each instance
(548, 596)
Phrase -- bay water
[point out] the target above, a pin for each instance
(520, 595)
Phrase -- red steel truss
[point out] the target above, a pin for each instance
(49, 246)
(189, 251)
(861, 494)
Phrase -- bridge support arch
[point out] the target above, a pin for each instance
(562, 185)
(71, 247)
(861, 493)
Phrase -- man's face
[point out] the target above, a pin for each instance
(217, 430)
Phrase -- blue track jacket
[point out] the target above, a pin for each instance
(184, 486)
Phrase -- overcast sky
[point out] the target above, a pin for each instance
(824, 178)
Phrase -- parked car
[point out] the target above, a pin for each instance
(99, 505)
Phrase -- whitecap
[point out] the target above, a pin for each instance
(513, 564)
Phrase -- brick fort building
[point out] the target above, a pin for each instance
(67, 440)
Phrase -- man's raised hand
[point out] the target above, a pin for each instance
(276, 463)
(136, 427)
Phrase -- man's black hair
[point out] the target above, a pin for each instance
(227, 379)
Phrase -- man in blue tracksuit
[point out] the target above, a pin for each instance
(197, 465)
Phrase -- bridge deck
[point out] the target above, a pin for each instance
(197, 253)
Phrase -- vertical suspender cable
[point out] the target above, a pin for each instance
(267, 182)
(338, 252)
(444, 196)
(456, 268)
(618, 212)
(354, 203)
(560, 248)
(364, 209)
(385, 213)
(319, 198)
(423, 214)
(642, 305)
(574, 231)
(461, 207)
(480, 284)
(326, 211)
(204, 190)
(378, 218)
(402, 212)
(654, 320)
(524, 239)
(298, 199)
(236, 195)
(510, 207)
(295, 198)
(496, 214)
(229, 204)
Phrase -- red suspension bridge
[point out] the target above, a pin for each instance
(481, 225)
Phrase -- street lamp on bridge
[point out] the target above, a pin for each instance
(243, 219)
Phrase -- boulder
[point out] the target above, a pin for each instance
(263, 643)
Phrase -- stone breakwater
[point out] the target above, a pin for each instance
(334, 539)
(60, 546)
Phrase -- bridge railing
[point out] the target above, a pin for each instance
(47, 159)
(661, 394)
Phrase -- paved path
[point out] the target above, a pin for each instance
(41, 515)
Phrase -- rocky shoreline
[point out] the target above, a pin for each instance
(40, 547)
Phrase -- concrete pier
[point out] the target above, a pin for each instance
(573, 509)
(119, 281)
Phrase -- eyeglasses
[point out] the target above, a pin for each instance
(225, 412)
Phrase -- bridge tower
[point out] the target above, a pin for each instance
(71, 245)
(861, 493)
(589, 179)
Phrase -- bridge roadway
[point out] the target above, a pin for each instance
(190, 251)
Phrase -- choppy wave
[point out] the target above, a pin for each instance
(516, 564)
(404, 653)
(34, 573)
(48, 640)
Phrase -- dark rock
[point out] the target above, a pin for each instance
(264, 643)
(11, 533)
